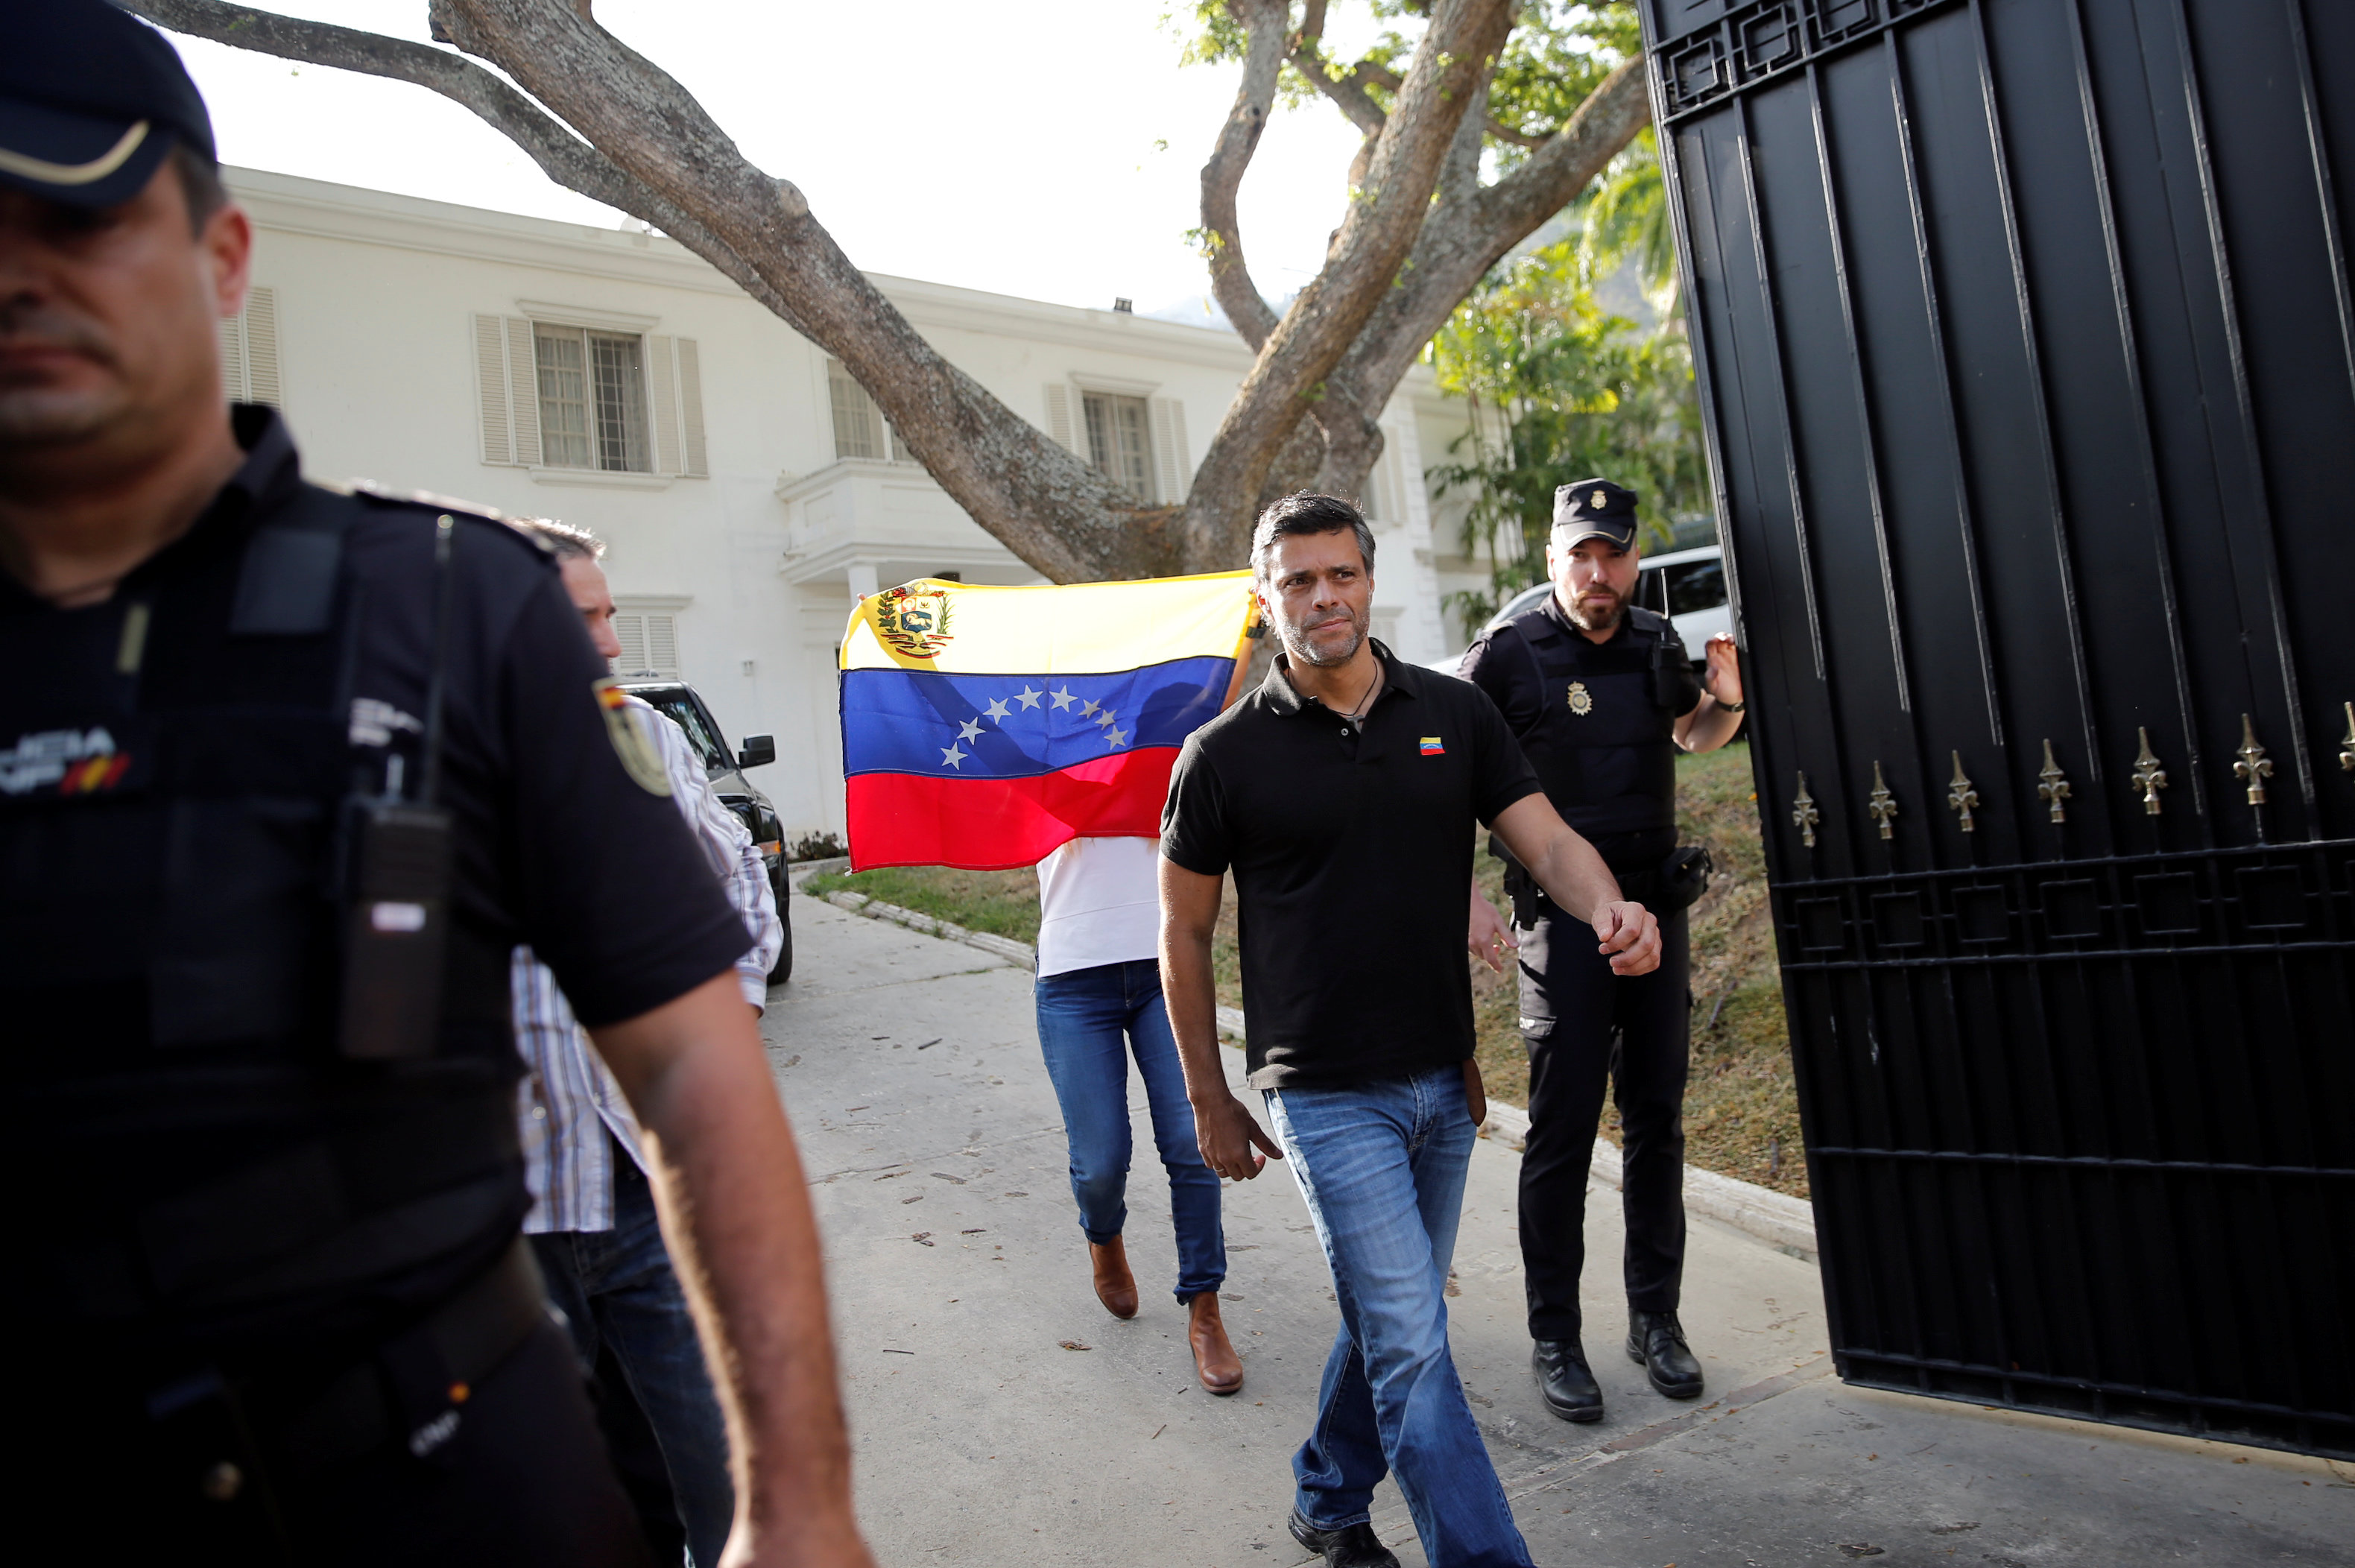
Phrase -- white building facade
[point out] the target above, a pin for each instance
(748, 489)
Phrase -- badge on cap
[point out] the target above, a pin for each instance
(1598, 500)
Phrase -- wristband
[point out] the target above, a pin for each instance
(1725, 707)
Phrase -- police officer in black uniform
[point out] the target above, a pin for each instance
(1602, 697)
(285, 774)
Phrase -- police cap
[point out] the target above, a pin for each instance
(92, 101)
(1593, 509)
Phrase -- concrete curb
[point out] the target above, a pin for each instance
(1780, 1220)
(1020, 954)
(1775, 1218)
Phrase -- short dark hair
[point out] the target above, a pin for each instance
(564, 541)
(1305, 512)
(200, 183)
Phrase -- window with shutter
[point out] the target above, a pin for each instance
(649, 642)
(591, 399)
(249, 351)
(1117, 442)
(859, 428)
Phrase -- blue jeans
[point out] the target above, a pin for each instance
(1090, 1022)
(1383, 1167)
(617, 1289)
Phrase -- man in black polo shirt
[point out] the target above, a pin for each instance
(1343, 794)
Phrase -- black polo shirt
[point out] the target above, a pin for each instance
(1351, 846)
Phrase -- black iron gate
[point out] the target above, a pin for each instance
(2027, 356)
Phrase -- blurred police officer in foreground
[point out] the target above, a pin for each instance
(1602, 694)
(285, 775)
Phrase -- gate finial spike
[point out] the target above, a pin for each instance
(1961, 795)
(2149, 776)
(1804, 815)
(2347, 746)
(2254, 765)
(2054, 787)
(1884, 805)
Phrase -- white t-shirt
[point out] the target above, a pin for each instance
(1099, 903)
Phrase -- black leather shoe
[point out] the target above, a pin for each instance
(1562, 1377)
(1657, 1341)
(1351, 1546)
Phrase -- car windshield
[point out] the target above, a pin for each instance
(683, 711)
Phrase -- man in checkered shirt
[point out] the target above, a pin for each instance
(592, 1221)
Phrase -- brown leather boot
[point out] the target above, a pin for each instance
(1115, 1287)
(1214, 1361)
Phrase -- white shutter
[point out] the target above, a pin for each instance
(629, 631)
(1058, 416)
(1181, 455)
(1165, 452)
(690, 409)
(232, 358)
(261, 314)
(491, 390)
(665, 404)
(649, 642)
(249, 351)
(523, 391)
(662, 645)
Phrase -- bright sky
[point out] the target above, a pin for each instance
(1051, 149)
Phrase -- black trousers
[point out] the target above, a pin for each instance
(523, 1479)
(1581, 1023)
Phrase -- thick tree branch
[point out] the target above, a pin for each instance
(1231, 279)
(1470, 229)
(1385, 216)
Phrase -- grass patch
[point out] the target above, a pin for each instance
(1004, 903)
(1741, 1112)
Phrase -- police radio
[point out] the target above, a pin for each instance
(397, 920)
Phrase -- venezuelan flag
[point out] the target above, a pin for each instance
(984, 727)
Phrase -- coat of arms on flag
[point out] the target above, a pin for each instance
(1045, 715)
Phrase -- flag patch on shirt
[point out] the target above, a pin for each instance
(1432, 747)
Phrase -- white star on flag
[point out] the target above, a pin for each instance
(1105, 717)
(1029, 697)
(1116, 738)
(953, 758)
(970, 729)
(1087, 709)
(996, 708)
(1063, 697)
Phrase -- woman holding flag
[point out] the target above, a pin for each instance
(988, 728)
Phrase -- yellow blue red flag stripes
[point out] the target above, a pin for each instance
(984, 727)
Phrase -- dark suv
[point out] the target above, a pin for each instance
(680, 703)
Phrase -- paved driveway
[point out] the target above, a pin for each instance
(961, 1289)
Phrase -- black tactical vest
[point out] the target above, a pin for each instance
(1604, 742)
(198, 1169)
